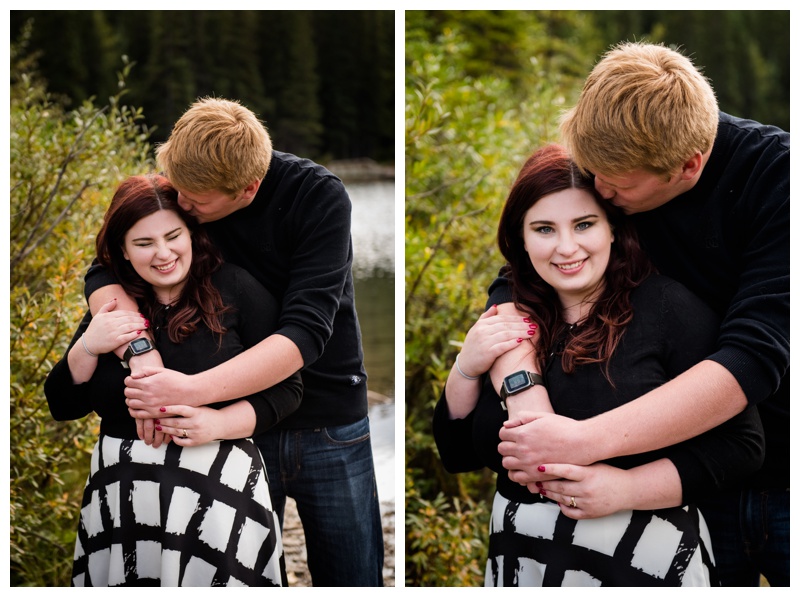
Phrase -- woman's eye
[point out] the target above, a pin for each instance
(544, 229)
(583, 226)
(143, 244)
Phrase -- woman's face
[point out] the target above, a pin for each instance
(159, 247)
(568, 239)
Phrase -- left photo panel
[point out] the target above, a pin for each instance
(202, 298)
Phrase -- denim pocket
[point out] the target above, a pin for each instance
(347, 435)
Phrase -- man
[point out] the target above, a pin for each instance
(709, 194)
(287, 221)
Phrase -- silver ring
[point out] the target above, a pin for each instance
(572, 503)
(187, 435)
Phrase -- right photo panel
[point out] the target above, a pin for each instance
(597, 298)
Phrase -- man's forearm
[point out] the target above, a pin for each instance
(267, 363)
(694, 402)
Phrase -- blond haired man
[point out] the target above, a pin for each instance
(709, 194)
(287, 221)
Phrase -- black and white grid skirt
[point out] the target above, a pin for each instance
(172, 516)
(535, 545)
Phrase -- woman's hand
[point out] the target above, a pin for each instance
(192, 426)
(147, 432)
(110, 329)
(595, 490)
(492, 336)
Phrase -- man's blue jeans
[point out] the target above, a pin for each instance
(330, 474)
(750, 536)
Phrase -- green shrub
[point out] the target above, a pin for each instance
(467, 135)
(64, 167)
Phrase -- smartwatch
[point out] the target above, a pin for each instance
(517, 382)
(137, 347)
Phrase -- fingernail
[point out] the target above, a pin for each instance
(543, 492)
(493, 306)
(138, 332)
(526, 319)
(157, 422)
(539, 484)
(533, 326)
(163, 409)
(158, 428)
(531, 332)
(147, 323)
(541, 468)
(519, 340)
(140, 315)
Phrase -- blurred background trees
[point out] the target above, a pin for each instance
(483, 90)
(314, 77)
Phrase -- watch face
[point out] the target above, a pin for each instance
(139, 345)
(516, 381)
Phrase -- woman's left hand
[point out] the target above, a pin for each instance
(595, 490)
(190, 425)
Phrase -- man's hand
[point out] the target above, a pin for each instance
(152, 388)
(533, 439)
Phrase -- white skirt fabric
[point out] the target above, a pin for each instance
(173, 516)
(535, 545)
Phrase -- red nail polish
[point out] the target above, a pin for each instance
(138, 332)
(533, 326)
(147, 323)
(543, 492)
(157, 422)
(526, 319)
(519, 340)
(158, 428)
(531, 332)
(539, 484)
(541, 468)
(163, 409)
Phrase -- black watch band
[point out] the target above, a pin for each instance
(137, 347)
(518, 382)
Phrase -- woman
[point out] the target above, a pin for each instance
(606, 329)
(196, 511)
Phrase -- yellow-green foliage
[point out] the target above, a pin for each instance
(64, 167)
(466, 138)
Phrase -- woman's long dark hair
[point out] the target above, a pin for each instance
(548, 171)
(138, 197)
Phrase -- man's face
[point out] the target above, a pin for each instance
(638, 191)
(210, 206)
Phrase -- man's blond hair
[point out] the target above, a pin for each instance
(217, 145)
(643, 107)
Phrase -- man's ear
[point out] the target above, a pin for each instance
(693, 166)
(250, 190)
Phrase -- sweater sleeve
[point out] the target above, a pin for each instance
(454, 440)
(723, 455)
(67, 401)
(321, 263)
(258, 318)
(754, 335)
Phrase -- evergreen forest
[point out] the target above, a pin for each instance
(322, 81)
(483, 90)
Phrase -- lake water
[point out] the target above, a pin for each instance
(373, 270)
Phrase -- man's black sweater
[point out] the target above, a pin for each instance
(727, 240)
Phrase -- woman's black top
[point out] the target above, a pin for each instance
(671, 331)
(253, 317)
